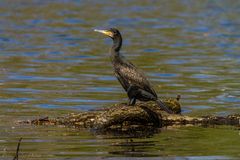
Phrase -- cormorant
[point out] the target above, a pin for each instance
(132, 80)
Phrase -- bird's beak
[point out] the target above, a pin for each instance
(106, 32)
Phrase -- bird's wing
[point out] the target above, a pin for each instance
(130, 75)
(122, 82)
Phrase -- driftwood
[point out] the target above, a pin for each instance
(142, 116)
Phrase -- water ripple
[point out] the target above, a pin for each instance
(38, 78)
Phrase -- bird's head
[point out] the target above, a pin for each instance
(112, 32)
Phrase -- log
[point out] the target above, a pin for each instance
(142, 116)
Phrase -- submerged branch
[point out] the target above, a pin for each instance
(17, 151)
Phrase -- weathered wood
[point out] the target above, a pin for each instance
(140, 116)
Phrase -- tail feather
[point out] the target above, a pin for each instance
(163, 106)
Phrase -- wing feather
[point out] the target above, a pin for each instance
(128, 74)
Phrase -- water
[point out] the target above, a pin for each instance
(52, 63)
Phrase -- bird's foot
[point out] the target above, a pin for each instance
(132, 102)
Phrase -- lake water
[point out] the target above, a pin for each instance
(52, 63)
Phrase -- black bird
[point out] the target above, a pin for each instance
(132, 80)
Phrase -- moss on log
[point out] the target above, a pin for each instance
(138, 117)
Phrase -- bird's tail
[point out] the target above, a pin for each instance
(163, 106)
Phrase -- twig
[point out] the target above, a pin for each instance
(16, 155)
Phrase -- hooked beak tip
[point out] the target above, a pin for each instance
(97, 30)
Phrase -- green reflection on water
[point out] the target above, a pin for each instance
(52, 142)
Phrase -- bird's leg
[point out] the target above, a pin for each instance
(132, 92)
(132, 102)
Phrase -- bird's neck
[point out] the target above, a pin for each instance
(117, 44)
(115, 50)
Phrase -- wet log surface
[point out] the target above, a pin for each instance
(142, 116)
